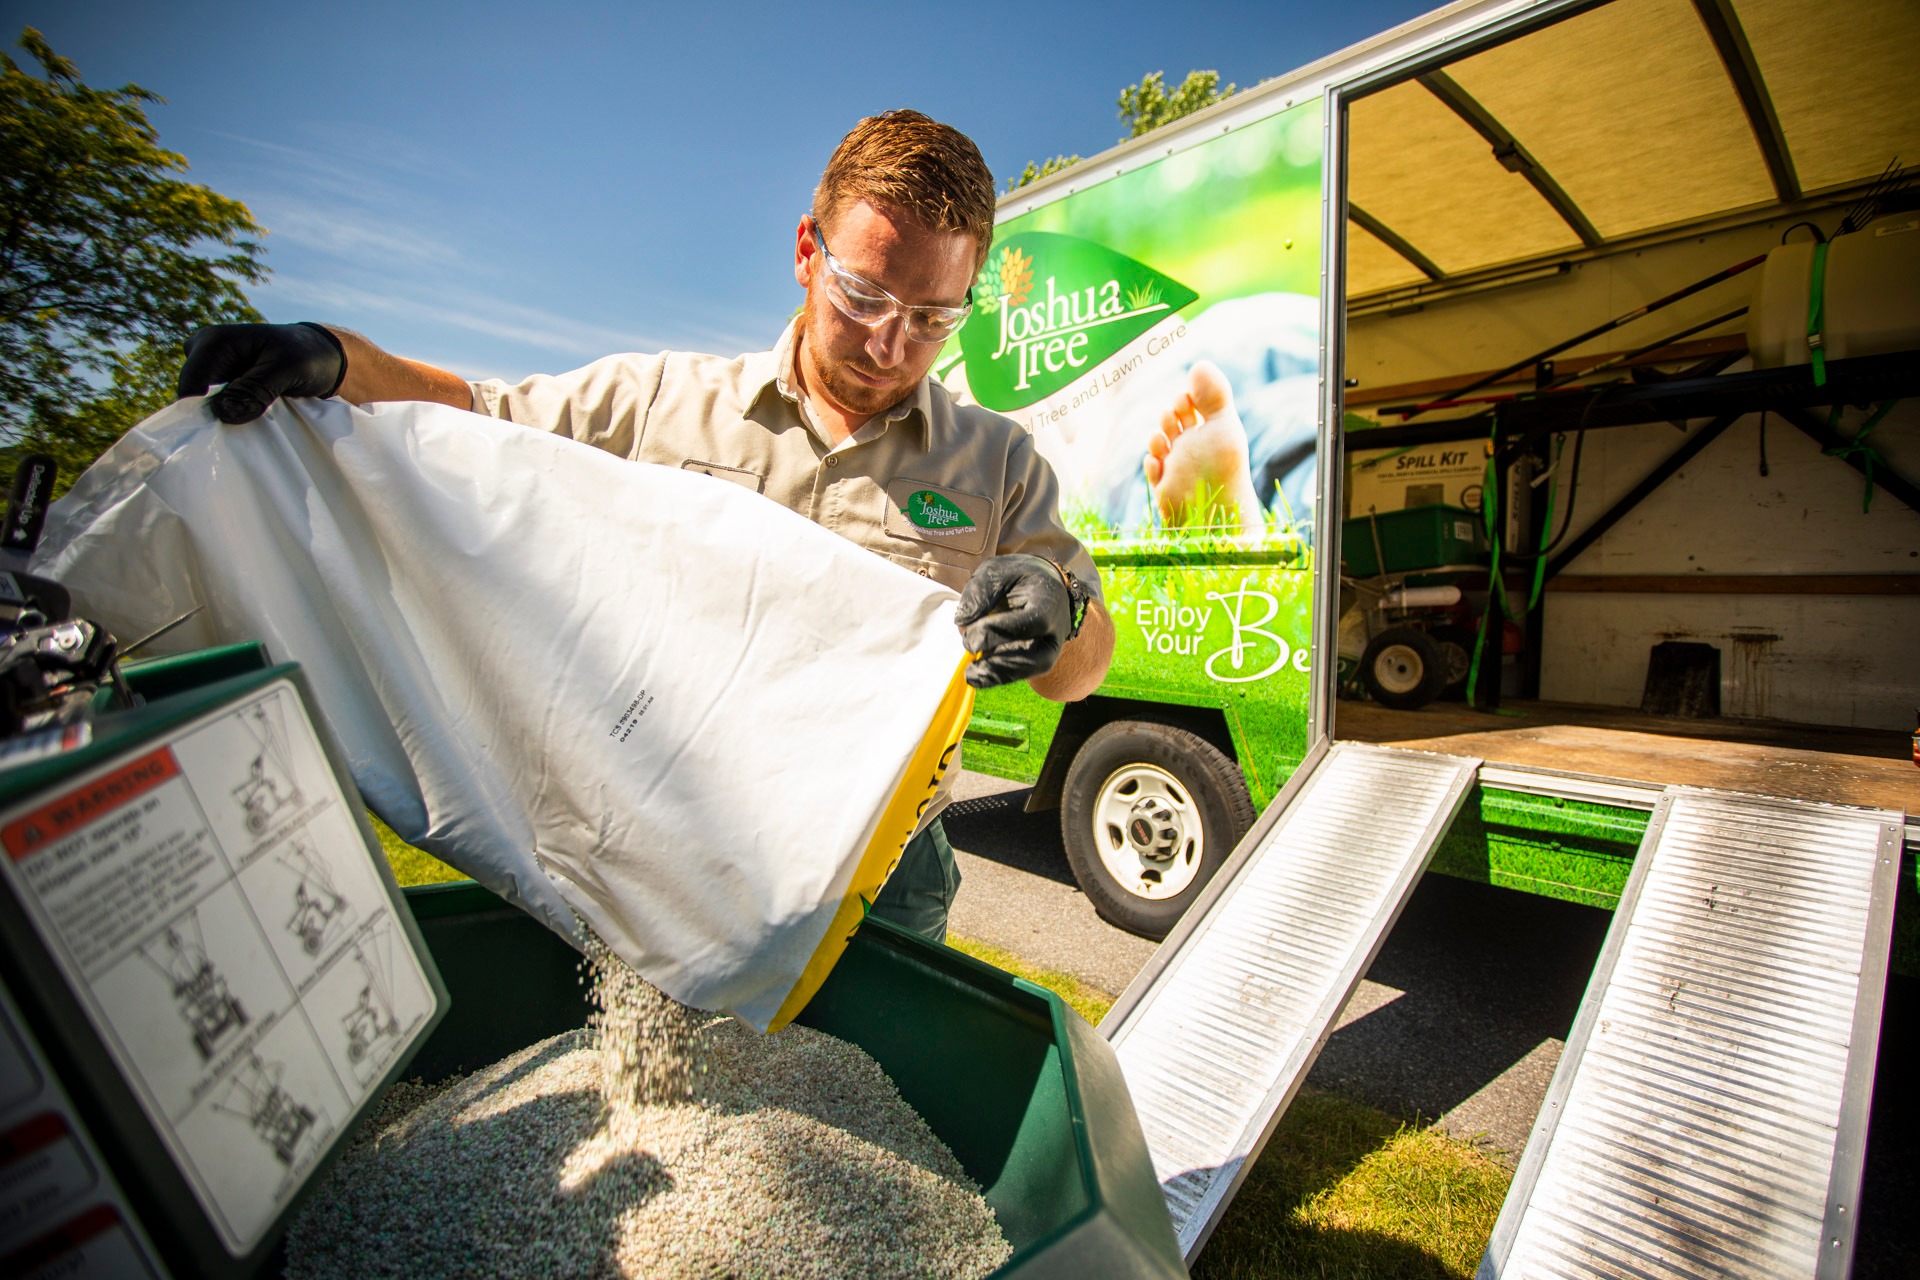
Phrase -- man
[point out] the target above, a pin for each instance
(839, 423)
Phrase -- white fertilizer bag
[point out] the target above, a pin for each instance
(659, 700)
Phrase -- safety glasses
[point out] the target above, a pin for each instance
(864, 302)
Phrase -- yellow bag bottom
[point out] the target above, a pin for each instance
(918, 785)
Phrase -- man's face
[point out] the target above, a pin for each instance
(862, 370)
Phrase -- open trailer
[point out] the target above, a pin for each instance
(1604, 320)
(1353, 244)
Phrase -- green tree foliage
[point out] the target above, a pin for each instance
(140, 384)
(1144, 107)
(107, 260)
(1147, 105)
(1034, 172)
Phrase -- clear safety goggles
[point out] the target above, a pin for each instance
(864, 302)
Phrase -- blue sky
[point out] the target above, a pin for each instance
(504, 189)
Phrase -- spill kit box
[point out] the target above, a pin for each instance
(1418, 476)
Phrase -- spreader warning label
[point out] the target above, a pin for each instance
(215, 910)
(52, 821)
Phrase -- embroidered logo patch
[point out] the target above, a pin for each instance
(928, 510)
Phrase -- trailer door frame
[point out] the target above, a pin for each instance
(1426, 44)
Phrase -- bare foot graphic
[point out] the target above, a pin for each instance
(1196, 463)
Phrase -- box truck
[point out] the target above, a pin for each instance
(1561, 357)
(1256, 346)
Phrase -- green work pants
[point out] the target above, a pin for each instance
(920, 890)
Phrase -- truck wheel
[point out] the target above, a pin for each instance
(1403, 668)
(1148, 814)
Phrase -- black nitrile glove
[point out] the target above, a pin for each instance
(260, 363)
(1035, 619)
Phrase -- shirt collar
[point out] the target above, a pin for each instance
(776, 375)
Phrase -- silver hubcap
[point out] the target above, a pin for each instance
(1147, 829)
(1399, 668)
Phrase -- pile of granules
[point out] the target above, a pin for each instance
(660, 1142)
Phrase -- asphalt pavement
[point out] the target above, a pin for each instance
(1458, 1023)
(1016, 891)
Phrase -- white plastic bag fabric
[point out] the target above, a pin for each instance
(654, 698)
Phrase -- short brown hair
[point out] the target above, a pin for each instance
(930, 170)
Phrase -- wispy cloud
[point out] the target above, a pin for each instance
(394, 150)
(352, 234)
(353, 156)
(366, 230)
(473, 313)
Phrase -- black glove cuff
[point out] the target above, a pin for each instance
(338, 346)
(1078, 594)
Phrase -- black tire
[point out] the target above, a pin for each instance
(1402, 668)
(1148, 814)
(1456, 657)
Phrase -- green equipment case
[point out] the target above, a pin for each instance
(1411, 540)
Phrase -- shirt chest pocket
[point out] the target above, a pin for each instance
(735, 475)
(939, 517)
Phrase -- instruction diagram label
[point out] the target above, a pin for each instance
(215, 909)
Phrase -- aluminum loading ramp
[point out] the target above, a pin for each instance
(1216, 1034)
(1709, 1114)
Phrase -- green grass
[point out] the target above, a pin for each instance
(1200, 542)
(410, 865)
(1346, 1190)
(1084, 999)
(1342, 1189)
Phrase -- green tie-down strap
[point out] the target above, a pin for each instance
(1859, 448)
(1546, 525)
(1496, 585)
(1817, 314)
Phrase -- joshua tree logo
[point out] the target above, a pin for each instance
(1050, 308)
(929, 510)
(1008, 279)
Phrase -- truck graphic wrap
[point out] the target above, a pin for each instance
(1158, 334)
(1232, 635)
(1052, 309)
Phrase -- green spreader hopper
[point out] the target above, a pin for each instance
(204, 1039)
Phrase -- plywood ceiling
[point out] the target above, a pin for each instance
(1630, 111)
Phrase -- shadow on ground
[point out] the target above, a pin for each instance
(997, 828)
(1485, 975)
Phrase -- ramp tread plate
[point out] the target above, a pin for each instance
(1713, 1076)
(1219, 1043)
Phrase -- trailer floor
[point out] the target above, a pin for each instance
(1763, 757)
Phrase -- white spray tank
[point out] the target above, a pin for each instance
(1870, 296)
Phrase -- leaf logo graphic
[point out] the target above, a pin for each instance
(928, 510)
(1050, 308)
(1008, 280)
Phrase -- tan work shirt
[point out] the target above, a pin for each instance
(931, 485)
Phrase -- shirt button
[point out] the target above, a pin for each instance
(833, 460)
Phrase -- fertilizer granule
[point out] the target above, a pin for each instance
(660, 1142)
